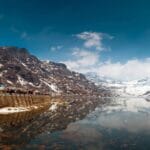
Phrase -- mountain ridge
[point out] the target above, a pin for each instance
(140, 87)
(20, 69)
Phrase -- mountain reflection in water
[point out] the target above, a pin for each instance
(123, 123)
(18, 130)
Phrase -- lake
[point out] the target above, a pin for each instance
(121, 123)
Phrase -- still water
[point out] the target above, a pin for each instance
(121, 124)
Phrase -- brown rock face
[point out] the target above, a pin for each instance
(18, 68)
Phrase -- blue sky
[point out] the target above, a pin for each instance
(52, 29)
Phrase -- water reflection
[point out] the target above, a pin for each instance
(120, 123)
(131, 114)
(18, 130)
(124, 123)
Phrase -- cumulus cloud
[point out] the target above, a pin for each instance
(83, 60)
(93, 39)
(133, 69)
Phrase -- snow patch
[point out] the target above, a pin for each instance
(9, 82)
(22, 81)
(53, 107)
(53, 87)
(1, 65)
(8, 110)
(123, 88)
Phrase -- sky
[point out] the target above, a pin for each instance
(107, 37)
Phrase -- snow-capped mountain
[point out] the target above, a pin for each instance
(124, 88)
(20, 69)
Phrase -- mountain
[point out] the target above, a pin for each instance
(20, 69)
(139, 87)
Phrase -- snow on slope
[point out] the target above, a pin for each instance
(9, 110)
(20, 69)
(123, 88)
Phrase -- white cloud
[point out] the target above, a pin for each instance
(83, 60)
(55, 48)
(131, 70)
(93, 39)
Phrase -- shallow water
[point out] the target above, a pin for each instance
(123, 123)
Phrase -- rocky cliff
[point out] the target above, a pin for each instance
(20, 69)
